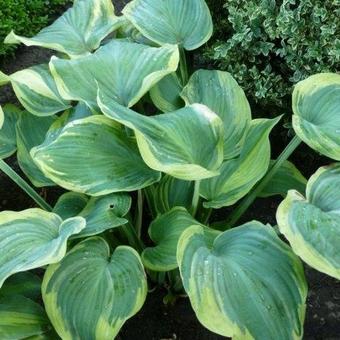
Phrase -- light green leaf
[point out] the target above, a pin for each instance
(21, 318)
(36, 90)
(25, 284)
(2, 117)
(166, 94)
(33, 238)
(105, 212)
(246, 284)
(186, 144)
(70, 204)
(30, 132)
(8, 143)
(287, 177)
(104, 159)
(187, 23)
(91, 293)
(312, 224)
(125, 71)
(171, 192)
(316, 119)
(165, 232)
(4, 79)
(220, 92)
(78, 31)
(239, 175)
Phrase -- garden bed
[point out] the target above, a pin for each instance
(159, 321)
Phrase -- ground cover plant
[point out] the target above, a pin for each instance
(116, 120)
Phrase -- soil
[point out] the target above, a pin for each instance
(157, 320)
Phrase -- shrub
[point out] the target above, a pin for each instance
(270, 45)
(26, 17)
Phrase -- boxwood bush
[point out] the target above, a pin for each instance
(25, 17)
(270, 45)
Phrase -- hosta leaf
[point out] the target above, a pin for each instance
(104, 159)
(184, 22)
(186, 144)
(105, 212)
(25, 284)
(70, 204)
(165, 232)
(220, 92)
(36, 90)
(78, 31)
(21, 318)
(125, 71)
(287, 177)
(316, 119)
(8, 143)
(312, 224)
(127, 30)
(166, 94)
(30, 132)
(239, 175)
(246, 284)
(171, 192)
(33, 238)
(2, 117)
(91, 293)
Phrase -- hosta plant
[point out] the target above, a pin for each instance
(138, 142)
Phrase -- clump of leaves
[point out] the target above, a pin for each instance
(268, 46)
(88, 124)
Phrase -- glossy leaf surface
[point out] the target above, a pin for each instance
(312, 224)
(91, 293)
(244, 284)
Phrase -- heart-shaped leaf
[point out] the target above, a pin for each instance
(187, 23)
(33, 238)
(125, 71)
(78, 31)
(287, 177)
(220, 92)
(245, 284)
(165, 232)
(36, 90)
(186, 144)
(91, 293)
(316, 119)
(312, 224)
(30, 132)
(239, 175)
(104, 159)
(8, 142)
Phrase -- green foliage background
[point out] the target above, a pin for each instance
(26, 17)
(269, 45)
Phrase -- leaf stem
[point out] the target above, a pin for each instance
(248, 200)
(4, 167)
(183, 66)
(139, 216)
(132, 237)
(195, 198)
